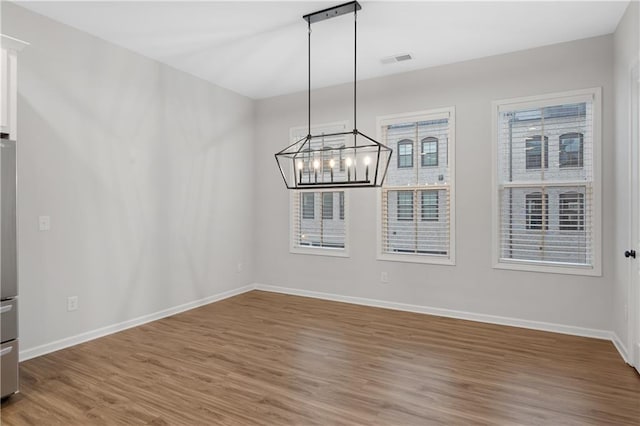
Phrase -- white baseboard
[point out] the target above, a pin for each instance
(621, 347)
(100, 332)
(492, 319)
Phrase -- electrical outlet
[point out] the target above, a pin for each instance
(384, 277)
(72, 303)
(44, 223)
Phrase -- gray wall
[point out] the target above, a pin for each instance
(626, 46)
(472, 285)
(131, 159)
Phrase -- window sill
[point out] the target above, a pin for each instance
(528, 266)
(570, 167)
(320, 251)
(412, 258)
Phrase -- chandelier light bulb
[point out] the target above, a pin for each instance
(332, 163)
(316, 164)
(300, 165)
(367, 160)
(348, 161)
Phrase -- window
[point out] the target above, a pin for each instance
(571, 150)
(338, 162)
(405, 205)
(429, 206)
(327, 205)
(546, 216)
(308, 205)
(533, 149)
(534, 207)
(416, 221)
(327, 150)
(429, 152)
(571, 211)
(315, 226)
(405, 153)
(320, 232)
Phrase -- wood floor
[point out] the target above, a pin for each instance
(269, 359)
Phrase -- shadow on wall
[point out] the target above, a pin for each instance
(130, 160)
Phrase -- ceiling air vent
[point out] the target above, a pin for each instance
(396, 58)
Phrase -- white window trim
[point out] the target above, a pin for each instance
(591, 94)
(319, 251)
(431, 114)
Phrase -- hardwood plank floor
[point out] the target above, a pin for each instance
(270, 359)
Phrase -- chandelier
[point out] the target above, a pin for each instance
(347, 159)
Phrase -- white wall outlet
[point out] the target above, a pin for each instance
(239, 267)
(44, 223)
(72, 303)
(384, 277)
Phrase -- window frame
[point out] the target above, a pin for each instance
(429, 139)
(405, 142)
(428, 216)
(303, 197)
(425, 115)
(398, 206)
(544, 159)
(344, 212)
(323, 207)
(580, 153)
(569, 214)
(543, 199)
(593, 95)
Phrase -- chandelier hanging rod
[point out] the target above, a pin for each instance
(322, 15)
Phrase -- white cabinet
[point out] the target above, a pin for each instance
(9, 84)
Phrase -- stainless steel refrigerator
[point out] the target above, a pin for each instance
(8, 269)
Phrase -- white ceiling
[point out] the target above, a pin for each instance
(259, 49)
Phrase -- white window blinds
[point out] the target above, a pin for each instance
(546, 181)
(318, 222)
(416, 200)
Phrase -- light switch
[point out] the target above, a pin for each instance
(44, 223)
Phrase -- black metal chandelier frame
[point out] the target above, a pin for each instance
(302, 148)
